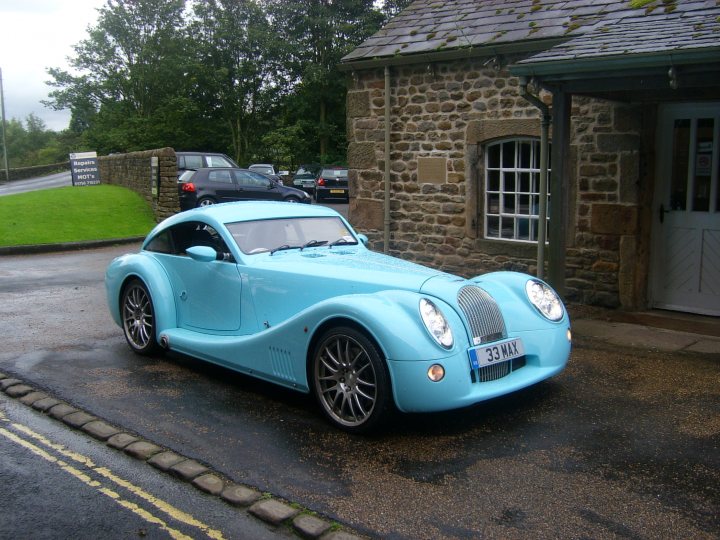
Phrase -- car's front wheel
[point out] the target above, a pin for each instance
(350, 380)
(138, 316)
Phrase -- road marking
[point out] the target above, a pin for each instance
(146, 515)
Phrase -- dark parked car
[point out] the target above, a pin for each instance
(217, 185)
(304, 179)
(332, 183)
(199, 160)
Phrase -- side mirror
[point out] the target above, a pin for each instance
(363, 239)
(202, 253)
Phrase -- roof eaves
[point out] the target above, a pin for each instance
(363, 61)
(574, 68)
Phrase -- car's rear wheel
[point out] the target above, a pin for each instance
(206, 201)
(138, 316)
(350, 379)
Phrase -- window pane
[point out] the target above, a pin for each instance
(525, 155)
(524, 204)
(703, 165)
(493, 156)
(681, 147)
(509, 204)
(524, 182)
(494, 204)
(509, 182)
(508, 155)
(508, 228)
(493, 226)
(523, 229)
(493, 180)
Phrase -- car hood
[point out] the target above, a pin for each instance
(356, 266)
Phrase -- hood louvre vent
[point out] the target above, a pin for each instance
(483, 315)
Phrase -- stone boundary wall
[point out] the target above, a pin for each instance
(451, 111)
(133, 171)
(39, 170)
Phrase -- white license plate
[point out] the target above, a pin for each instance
(494, 353)
(338, 191)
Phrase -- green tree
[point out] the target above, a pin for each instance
(318, 33)
(130, 66)
(236, 69)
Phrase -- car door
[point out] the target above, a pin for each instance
(207, 295)
(221, 182)
(255, 186)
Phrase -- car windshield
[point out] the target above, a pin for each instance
(265, 169)
(268, 235)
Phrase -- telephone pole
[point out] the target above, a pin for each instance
(4, 145)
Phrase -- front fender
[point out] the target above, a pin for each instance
(145, 268)
(393, 320)
(508, 290)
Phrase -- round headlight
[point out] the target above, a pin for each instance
(544, 299)
(436, 324)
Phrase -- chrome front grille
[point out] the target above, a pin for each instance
(483, 315)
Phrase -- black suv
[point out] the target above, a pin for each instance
(218, 185)
(199, 160)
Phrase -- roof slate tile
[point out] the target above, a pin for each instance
(590, 28)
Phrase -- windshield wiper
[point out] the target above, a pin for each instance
(313, 243)
(340, 241)
(284, 247)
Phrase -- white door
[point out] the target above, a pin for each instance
(686, 221)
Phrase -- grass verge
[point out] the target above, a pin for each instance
(73, 214)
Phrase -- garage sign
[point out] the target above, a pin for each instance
(84, 169)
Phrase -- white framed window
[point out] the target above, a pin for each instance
(512, 189)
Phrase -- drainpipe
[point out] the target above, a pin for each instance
(386, 235)
(544, 152)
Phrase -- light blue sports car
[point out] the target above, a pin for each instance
(290, 293)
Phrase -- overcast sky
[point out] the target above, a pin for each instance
(36, 35)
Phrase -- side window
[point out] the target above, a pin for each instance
(177, 239)
(258, 180)
(193, 161)
(162, 243)
(217, 161)
(221, 177)
(512, 189)
(243, 178)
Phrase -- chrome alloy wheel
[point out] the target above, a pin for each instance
(138, 318)
(346, 379)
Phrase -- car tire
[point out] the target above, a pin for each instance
(206, 201)
(292, 199)
(138, 318)
(350, 380)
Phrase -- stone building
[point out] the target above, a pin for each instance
(446, 108)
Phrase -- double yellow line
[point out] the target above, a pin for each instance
(107, 482)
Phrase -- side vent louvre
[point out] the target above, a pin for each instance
(281, 364)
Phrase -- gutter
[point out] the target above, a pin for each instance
(544, 152)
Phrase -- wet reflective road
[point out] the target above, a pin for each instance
(625, 443)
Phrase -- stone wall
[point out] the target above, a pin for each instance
(450, 111)
(133, 171)
(31, 172)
